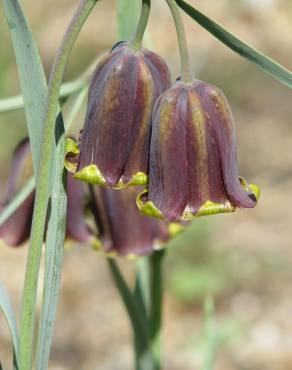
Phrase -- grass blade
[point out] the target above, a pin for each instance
(54, 255)
(31, 74)
(6, 308)
(268, 65)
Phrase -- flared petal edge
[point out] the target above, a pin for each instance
(91, 173)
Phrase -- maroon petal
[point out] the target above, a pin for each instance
(123, 229)
(221, 118)
(116, 135)
(16, 228)
(108, 122)
(168, 154)
(77, 228)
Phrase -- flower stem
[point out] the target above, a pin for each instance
(156, 295)
(42, 185)
(144, 358)
(136, 41)
(186, 71)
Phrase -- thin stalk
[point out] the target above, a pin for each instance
(186, 71)
(136, 41)
(156, 294)
(42, 185)
(144, 360)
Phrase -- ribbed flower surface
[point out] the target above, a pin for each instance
(114, 144)
(122, 229)
(193, 165)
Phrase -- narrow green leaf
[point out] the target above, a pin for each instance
(134, 311)
(127, 14)
(264, 62)
(6, 308)
(31, 73)
(54, 255)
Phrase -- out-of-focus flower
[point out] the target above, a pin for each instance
(16, 228)
(122, 229)
(114, 144)
(193, 165)
(77, 229)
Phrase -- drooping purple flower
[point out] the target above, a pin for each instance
(122, 229)
(193, 165)
(114, 143)
(16, 229)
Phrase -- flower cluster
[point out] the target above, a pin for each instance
(178, 141)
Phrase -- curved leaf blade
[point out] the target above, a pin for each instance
(268, 65)
(31, 73)
(6, 308)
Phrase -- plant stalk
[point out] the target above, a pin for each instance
(137, 39)
(186, 71)
(156, 295)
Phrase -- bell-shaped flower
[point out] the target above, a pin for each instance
(193, 166)
(122, 229)
(114, 143)
(16, 229)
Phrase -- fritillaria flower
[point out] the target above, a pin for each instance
(16, 229)
(114, 143)
(122, 229)
(193, 166)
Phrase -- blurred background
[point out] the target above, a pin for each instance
(242, 260)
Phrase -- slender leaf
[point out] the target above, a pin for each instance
(31, 73)
(6, 308)
(144, 357)
(54, 256)
(16, 102)
(127, 18)
(264, 62)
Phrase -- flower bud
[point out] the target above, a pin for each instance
(122, 229)
(114, 144)
(193, 166)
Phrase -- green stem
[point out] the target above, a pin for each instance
(42, 185)
(135, 313)
(156, 292)
(136, 41)
(186, 71)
